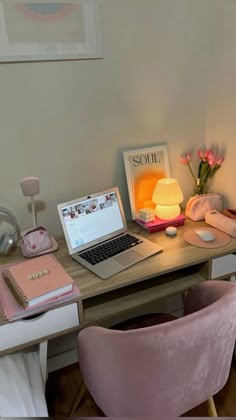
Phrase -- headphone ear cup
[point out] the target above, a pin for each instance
(16, 235)
(6, 242)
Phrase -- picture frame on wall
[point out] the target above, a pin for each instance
(49, 30)
(143, 168)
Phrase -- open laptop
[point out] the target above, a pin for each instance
(97, 237)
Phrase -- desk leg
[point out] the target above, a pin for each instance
(232, 278)
(43, 354)
(81, 311)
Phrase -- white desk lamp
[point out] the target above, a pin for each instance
(167, 196)
(30, 188)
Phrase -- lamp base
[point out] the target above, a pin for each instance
(158, 224)
(167, 212)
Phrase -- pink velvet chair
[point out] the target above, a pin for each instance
(164, 369)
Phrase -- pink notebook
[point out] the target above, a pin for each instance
(37, 280)
(12, 310)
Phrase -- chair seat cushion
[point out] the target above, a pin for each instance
(143, 321)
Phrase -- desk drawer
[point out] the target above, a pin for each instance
(223, 266)
(51, 322)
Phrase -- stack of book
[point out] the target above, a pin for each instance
(158, 224)
(33, 286)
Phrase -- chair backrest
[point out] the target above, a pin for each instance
(166, 369)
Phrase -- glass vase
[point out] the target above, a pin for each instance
(200, 189)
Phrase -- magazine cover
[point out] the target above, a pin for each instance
(143, 168)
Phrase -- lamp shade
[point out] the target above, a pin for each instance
(167, 195)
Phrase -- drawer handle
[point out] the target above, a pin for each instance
(35, 316)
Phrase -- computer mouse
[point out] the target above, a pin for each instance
(205, 235)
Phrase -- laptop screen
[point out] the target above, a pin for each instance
(90, 220)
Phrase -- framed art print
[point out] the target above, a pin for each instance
(49, 30)
(143, 168)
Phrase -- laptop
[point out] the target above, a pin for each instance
(96, 234)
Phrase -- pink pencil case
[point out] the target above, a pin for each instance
(221, 222)
(198, 205)
(36, 241)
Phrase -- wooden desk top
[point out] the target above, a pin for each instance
(176, 254)
(107, 308)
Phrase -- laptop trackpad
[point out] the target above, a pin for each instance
(128, 258)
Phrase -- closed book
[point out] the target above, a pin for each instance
(158, 224)
(13, 311)
(38, 280)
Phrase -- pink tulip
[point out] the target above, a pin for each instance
(186, 158)
(204, 155)
(212, 160)
(209, 155)
(219, 160)
(201, 154)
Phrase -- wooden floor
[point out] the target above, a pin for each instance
(63, 385)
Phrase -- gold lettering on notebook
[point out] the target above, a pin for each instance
(38, 274)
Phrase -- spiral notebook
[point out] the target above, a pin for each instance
(12, 311)
(37, 281)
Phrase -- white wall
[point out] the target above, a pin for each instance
(221, 104)
(68, 122)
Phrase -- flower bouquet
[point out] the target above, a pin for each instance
(209, 164)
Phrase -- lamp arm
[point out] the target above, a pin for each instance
(33, 212)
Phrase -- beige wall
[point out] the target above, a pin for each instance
(221, 104)
(68, 122)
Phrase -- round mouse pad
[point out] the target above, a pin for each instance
(192, 238)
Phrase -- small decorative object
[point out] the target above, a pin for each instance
(146, 215)
(143, 168)
(210, 162)
(171, 231)
(167, 196)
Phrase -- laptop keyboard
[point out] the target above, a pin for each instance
(109, 249)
